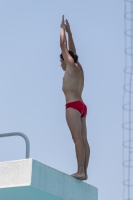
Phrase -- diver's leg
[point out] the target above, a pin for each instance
(86, 145)
(73, 118)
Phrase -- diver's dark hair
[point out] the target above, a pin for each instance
(73, 55)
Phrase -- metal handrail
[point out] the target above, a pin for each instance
(22, 135)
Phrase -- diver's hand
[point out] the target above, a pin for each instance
(67, 27)
(62, 23)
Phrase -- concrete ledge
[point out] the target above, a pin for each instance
(29, 179)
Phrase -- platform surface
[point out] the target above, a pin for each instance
(29, 179)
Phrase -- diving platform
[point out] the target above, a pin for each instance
(29, 179)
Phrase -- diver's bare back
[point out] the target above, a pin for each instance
(73, 82)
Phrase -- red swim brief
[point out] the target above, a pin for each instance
(78, 105)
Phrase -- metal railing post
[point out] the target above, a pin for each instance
(22, 135)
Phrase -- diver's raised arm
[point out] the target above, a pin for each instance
(70, 37)
(63, 40)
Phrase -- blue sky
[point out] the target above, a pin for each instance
(32, 100)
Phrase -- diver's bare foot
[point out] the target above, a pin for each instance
(80, 176)
(86, 177)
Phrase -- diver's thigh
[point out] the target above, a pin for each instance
(73, 118)
(83, 128)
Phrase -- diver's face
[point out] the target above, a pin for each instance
(63, 64)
